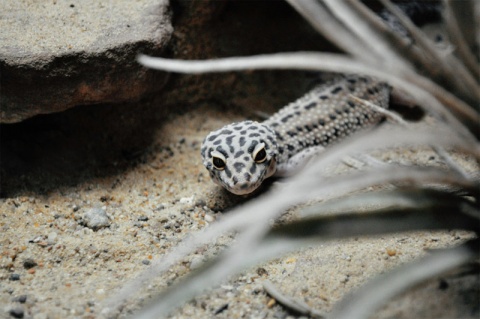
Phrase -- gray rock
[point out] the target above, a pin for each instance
(29, 263)
(58, 54)
(17, 312)
(96, 218)
(14, 277)
(20, 299)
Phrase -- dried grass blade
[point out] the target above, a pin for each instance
(400, 199)
(462, 11)
(237, 258)
(299, 307)
(396, 42)
(451, 70)
(285, 238)
(340, 186)
(444, 214)
(415, 85)
(348, 14)
(331, 28)
(371, 296)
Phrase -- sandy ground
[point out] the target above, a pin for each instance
(53, 266)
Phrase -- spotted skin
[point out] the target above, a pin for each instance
(233, 154)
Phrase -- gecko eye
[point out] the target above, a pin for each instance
(218, 163)
(259, 154)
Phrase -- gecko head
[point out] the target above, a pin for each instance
(240, 156)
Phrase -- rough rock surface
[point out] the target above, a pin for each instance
(59, 54)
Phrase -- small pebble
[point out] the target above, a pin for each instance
(20, 299)
(36, 239)
(14, 277)
(209, 218)
(29, 263)
(17, 312)
(345, 279)
(262, 271)
(196, 262)
(271, 303)
(142, 218)
(187, 200)
(146, 262)
(221, 309)
(391, 252)
(96, 218)
(52, 237)
(200, 203)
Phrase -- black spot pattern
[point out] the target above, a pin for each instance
(239, 153)
(336, 90)
(221, 150)
(242, 141)
(212, 137)
(286, 118)
(238, 166)
(252, 146)
(227, 172)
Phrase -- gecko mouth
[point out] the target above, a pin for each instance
(250, 186)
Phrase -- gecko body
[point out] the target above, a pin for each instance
(240, 156)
